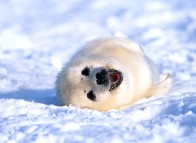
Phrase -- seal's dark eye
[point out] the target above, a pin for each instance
(85, 71)
(91, 96)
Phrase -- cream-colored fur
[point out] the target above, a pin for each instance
(140, 76)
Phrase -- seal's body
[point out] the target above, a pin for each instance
(109, 74)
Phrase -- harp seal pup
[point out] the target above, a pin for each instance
(110, 73)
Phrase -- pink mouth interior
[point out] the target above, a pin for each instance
(114, 77)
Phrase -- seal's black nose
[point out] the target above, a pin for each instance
(101, 77)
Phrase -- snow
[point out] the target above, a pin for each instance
(38, 37)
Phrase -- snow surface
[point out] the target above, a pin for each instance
(37, 37)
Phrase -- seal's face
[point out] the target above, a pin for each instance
(92, 85)
(108, 79)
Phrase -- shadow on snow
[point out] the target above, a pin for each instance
(46, 96)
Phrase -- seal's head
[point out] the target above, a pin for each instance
(93, 83)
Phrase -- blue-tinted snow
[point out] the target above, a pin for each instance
(37, 37)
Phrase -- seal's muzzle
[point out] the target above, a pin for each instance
(112, 78)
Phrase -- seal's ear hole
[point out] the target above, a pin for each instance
(85, 71)
(91, 95)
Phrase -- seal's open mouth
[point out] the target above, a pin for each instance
(115, 78)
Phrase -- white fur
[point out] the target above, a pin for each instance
(141, 78)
